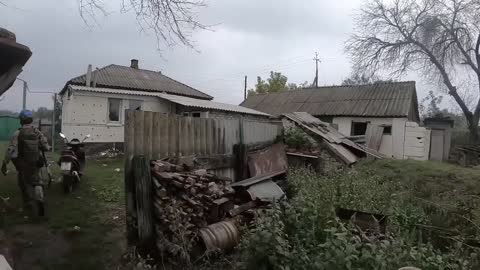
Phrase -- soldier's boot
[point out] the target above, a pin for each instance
(39, 200)
(41, 209)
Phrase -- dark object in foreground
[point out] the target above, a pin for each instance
(367, 222)
(13, 57)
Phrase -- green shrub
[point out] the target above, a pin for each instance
(296, 138)
(305, 233)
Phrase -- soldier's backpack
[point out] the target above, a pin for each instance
(29, 146)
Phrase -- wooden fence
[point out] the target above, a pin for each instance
(158, 135)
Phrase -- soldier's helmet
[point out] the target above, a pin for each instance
(26, 117)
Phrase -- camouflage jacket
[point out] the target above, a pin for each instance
(12, 149)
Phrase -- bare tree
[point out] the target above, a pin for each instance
(439, 38)
(172, 21)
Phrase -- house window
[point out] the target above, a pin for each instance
(387, 130)
(135, 104)
(359, 128)
(114, 105)
(195, 114)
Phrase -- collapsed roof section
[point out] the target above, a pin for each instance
(346, 150)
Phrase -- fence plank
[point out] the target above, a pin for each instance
(131, 211)
(164, 136)
(148, 141)
(139, 132)
(190, 138)
(203, 136)
(182, 134)
(214, 136)
(156, 137)
(172, 138)
(209, 138)
(196, 135)
(220, 131)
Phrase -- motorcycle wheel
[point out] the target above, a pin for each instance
(67, 184)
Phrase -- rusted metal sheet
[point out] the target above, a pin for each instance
(256, 179)
(220, 236)
(367, 222)
(272, 159)
(266, 191)
(242, 208)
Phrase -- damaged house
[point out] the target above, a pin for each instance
(384, 116)
(95, 103)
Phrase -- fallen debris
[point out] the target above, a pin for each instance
(346, 150)
(109, 153)
(466, 155)
(185, 202)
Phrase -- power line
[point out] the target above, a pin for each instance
(235, 77)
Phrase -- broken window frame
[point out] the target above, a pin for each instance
(387, 129)
(353, 129)
(109, 107)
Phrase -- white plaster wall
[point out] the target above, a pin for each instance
(417, 142)
(87, 113)
(391, 145)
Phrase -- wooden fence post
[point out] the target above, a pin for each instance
(129, 145)
(144, 201)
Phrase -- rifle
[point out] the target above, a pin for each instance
(50, 177)
(45, 162)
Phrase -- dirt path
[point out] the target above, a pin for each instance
(83, 230)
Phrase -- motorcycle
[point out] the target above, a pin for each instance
(72, 163)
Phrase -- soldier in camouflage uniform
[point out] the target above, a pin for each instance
(24, 151)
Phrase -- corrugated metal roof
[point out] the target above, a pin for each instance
(121, 77)
(185, 101)
(392, 99)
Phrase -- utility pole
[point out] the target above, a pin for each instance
(317, 60)
(24, 106)
(25, 88)
(245, 89)
(53, 120)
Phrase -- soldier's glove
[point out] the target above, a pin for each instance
(4, 168)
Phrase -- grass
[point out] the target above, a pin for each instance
(96, 207)
(433, 219)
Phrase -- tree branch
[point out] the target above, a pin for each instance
(477, 57)
(172, 21)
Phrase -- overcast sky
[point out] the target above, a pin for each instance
(251, 37)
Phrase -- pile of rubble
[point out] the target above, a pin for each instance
(184, 202)
(110, 153)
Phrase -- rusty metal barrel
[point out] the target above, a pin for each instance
(222, 235)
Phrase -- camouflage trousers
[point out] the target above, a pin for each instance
(30, 185)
